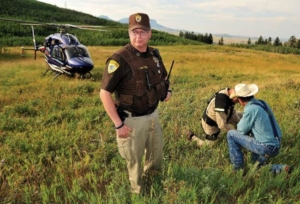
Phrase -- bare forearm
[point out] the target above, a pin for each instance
(222, 121)
(109, 106)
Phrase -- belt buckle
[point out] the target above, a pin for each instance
(128, 113)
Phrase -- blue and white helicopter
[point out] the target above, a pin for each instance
(64, 54)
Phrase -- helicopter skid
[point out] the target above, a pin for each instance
(87, 75)
(61, 70)
(58, 70)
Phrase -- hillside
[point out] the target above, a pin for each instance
(14, 34)
(39, 11)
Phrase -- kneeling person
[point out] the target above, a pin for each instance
(218, 115)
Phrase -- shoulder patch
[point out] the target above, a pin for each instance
(112, 66)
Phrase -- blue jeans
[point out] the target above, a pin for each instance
(259, 151)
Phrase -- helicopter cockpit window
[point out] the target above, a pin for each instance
(70, 39)
(72, 52)
(54, 42)
(83, 51)
(58, 53)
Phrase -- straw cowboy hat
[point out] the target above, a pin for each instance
(244, 90)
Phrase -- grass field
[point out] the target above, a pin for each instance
(57, 145)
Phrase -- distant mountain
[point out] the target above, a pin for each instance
(105, 17)
(154, 25)
(226, 37)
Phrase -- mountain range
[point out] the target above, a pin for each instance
(154, 25)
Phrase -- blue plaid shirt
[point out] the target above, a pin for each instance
(256, 121)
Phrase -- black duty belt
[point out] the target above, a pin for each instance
(125, 114)
(133, 114)
(208, 120)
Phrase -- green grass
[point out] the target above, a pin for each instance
(57, 145)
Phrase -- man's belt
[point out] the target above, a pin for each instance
(133, 114)
(208, 120)
(125, 114)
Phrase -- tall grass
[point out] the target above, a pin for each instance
(57, 144)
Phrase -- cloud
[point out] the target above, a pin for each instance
(236, 17)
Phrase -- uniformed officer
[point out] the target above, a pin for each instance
(218, 115)
(137, 76)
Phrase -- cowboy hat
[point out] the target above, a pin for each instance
(244, 90)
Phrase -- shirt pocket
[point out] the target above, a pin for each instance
(126, 99)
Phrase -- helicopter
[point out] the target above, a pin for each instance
(64, 54)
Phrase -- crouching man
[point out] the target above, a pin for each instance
(257, 131)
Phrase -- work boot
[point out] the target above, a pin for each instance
(189, 135)
(278, 168)
(288, 169)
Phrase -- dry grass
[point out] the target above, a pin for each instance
(57, 144)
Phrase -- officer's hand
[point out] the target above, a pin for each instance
(168, 96)
(123, 132)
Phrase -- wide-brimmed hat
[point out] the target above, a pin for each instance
(139, 20)
(244, 90)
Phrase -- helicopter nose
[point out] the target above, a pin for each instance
(81, 61)
(81, 65)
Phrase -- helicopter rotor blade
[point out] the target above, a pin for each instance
(34, 24)
(91, 26)
(70, 26)
(93, 29)
(61, 27)
(85, 27)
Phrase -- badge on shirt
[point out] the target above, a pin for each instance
(112, 66)
(156, 60)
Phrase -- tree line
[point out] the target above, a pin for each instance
(292, 46)
(267, 44)
(206, 38)
(293, 42)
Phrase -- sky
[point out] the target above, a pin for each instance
(247, 18)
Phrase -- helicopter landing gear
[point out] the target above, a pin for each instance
(90, 74)
(84, 76)
(57, 75)
(45, 72)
